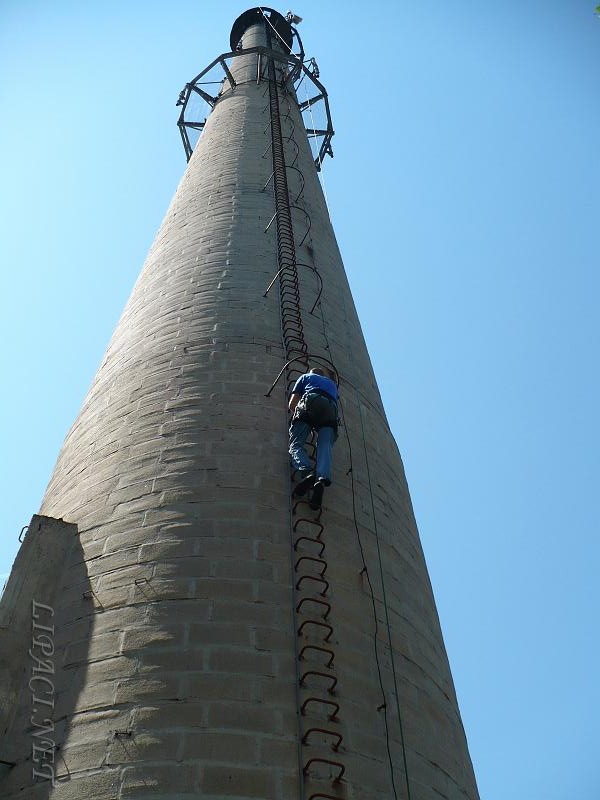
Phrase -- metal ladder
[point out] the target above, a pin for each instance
(320, 739)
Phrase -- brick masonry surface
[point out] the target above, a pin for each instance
(175, 668)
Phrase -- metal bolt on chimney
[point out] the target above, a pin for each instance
(176, 624)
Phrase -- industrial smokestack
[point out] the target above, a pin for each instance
(201, 632)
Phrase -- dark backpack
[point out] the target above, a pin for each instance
(317, 409)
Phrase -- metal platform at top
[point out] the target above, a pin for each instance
(280, 24)
(297, 68)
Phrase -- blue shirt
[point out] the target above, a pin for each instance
(312, 382)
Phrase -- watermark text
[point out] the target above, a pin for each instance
(41, 686)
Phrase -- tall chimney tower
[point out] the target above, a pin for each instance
(176, 624)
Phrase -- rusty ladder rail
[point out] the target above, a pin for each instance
(316, 681)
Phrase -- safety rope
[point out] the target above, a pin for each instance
(384, 598)
(291, 314)
(265, 17)
(303, 562)
(365, 571)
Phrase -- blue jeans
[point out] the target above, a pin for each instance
(299, 433)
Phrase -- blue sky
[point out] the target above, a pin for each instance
(465, 196)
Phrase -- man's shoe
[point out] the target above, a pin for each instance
(317, 496)
(304, 484)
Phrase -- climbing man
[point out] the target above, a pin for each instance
(313, 403)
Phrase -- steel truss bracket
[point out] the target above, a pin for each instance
(297, 72)
(326, 133)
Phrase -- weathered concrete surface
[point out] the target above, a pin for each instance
(27, 617)
(177, 477)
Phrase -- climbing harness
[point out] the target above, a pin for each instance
(318, 409)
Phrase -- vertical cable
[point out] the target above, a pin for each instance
(383, 706)
(384, 598)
